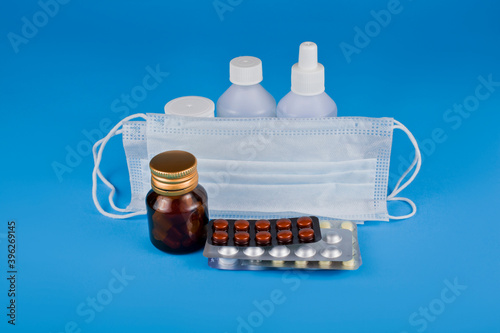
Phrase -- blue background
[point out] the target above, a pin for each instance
(65, 78)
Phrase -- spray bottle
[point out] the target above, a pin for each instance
(307, 98)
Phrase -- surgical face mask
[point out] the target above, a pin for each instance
(334, 168)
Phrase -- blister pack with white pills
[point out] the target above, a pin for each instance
(338, 249)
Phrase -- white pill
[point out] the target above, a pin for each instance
(278, 263)
(254, 251)
(228, 250)
(301, 264)
(227, 262)
(325, 224)
(347, 225)
(332, 237)
(253, 261)
(349, 263)
(324, 264)
(279, 251)
(331, 252)
(305, 251)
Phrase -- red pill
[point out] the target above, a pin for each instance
(173, 243)
(187, 242)
(263, 238)
(283, 224)
(306, 235)
(241, 225)
(221, 225)
(304, 222)
(262, 225)
(241, 238)
(220, 237)
(284, 236)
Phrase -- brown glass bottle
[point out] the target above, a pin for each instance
(177, 204)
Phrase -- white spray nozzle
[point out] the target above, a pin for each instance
(308, 76)
(308, 55)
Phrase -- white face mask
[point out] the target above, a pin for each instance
(336, 168)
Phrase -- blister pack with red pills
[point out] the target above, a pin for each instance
(303, 243)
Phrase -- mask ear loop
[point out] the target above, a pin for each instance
(97, 172)
(417, 161)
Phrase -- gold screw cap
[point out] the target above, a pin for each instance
(173, 173)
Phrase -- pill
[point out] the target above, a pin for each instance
(174, 243)
(241, 225)
(305, 251)
(283, 224)
(262, 225)
(227, 262)
(161, 221)
(306, 235)
(158, 234)
(279, 251)
(188, 242)
(304, 222)
(349, 263)
(331, 252)
(324, 264)
(228, 250)
(278, 263)
(241, 238)
(332, 237)
(347, 225)
(254, 251)
(325, 224)
(284, 236)
(175, 233)
(221, 225)
(254, 262)
(301, 264)
(193, 225)
(220, 238)
(263, 238)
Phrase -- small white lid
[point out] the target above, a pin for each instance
(308, 76)
(245, 71)
(192, 106)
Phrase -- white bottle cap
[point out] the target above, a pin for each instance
(308, 76)
(192, 106)
(245, 71)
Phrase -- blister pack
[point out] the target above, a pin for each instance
(263, 233)
(337, 250)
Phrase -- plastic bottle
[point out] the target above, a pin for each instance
(246, 97)
(307, 98)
